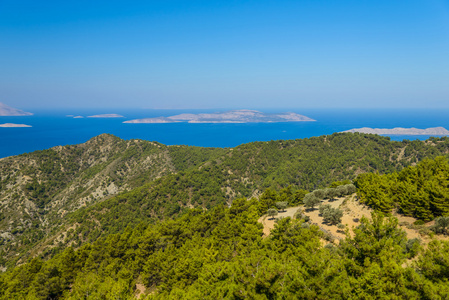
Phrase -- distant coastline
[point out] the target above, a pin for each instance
(12, 125)
(440, 131)
(8, 111)
(233, 116)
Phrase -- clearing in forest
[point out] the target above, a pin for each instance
(353, 211)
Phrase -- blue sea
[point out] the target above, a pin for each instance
(53, 128)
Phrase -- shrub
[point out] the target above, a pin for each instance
(351, 189)
(324, 207)
(419, 222)
(272, 212)
(332, 193)
(305, 225)
(332, 215)
(320, 194)
(299, 214)
(426, 231)
(310, 200)
(412, 247)
(441, 225)
(329, 246)
(282, 205)
(328, 236)
(341, 190)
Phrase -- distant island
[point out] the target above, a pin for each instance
(106, 116)
(8, 111)
(402, 131)
(11, 125)
(233, 116)
(159, 120)
(97, 116)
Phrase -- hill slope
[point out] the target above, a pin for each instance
(65, 196)
(37, 190)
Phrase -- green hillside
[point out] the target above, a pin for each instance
(39, 190)
(75, 194)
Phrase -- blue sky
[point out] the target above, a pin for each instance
(224, 54)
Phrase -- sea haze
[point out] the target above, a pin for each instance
(53, 128)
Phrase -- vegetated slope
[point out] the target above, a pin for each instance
(38, 189)
(220, 254)
(194, 176)
(242, 172)
(316, 162)
(420, 191)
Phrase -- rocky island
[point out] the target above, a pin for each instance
(440, 131)
(8, 111)
(159, 120)
(233, 116)
(106, 116)
(12, 125)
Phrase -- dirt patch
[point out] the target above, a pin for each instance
(401, 154)
(268, 223)
(353, 211)
(140, 290)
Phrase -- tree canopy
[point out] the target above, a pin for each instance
(420, 191)
(220, 254)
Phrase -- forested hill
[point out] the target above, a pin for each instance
(74, 194)
(39, 189)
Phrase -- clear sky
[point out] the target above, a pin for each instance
(224, 54)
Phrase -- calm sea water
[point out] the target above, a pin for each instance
(53, 128)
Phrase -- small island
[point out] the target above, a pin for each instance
(233, 116)
(159, 120)
(440, 131)
(8, 111)
(106, 116)
(12, 125)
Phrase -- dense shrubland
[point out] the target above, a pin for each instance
(220, 253)
(420, 191)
